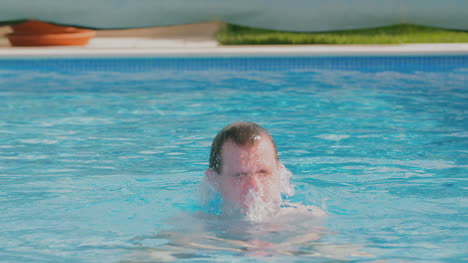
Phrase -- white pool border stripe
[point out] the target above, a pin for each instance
(296, 50)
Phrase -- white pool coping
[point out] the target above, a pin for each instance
(195, 40)
(212, 49)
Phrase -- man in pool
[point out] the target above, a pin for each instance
(244, 167)
(245, 170)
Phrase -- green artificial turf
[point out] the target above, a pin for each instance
(396, 34)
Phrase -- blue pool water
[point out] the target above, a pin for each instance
(101, 158)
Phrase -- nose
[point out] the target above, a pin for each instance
(251, 182)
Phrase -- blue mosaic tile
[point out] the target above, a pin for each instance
(360, 63)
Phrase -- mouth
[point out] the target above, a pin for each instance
(257, 201)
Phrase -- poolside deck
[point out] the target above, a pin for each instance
(198, 39)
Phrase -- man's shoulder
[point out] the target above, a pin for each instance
(296, 208)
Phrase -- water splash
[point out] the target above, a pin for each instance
(286, 188)
(255, 208)
(210, 198)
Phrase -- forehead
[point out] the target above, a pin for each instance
(261, 151)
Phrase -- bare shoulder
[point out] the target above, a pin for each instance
(295, 208)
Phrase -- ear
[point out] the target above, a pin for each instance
(211, 175)
(281, 166)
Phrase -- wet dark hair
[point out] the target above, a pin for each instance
(241, 133)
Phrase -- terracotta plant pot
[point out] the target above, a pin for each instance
(37, 33)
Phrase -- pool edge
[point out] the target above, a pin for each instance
(234, 51)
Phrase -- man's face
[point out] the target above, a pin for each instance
(249, 170)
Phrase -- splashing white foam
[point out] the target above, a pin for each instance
(255, 207)
(286, 188)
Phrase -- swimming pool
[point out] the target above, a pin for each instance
(100, 156)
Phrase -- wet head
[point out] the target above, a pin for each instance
(245, 170)
(249, 172)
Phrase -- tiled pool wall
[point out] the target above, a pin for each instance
(240, 63)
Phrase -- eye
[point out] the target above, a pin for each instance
(264, 173)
